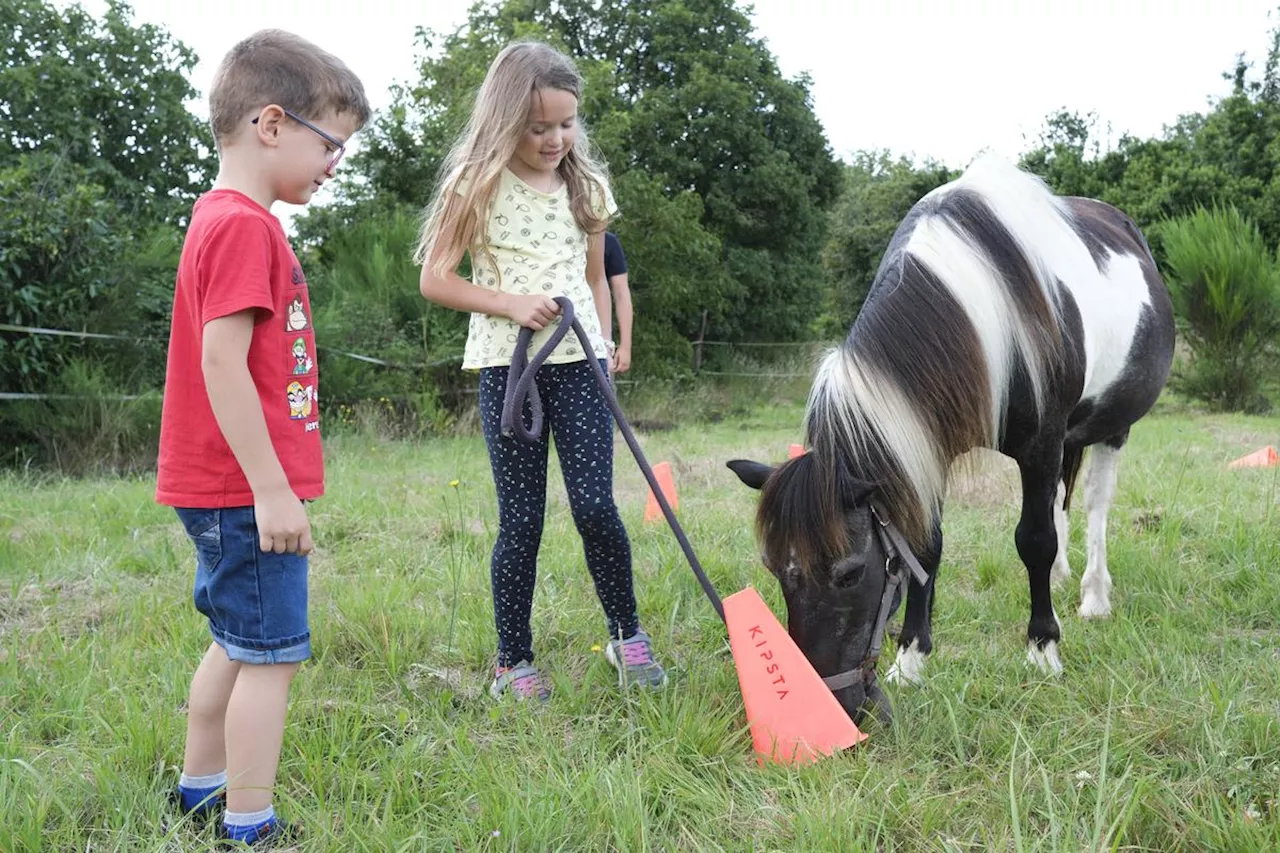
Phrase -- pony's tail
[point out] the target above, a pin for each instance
(1071, 459)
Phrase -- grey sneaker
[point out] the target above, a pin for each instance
(633, 659)
(523, 681)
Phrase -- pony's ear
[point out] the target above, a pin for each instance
(752, 473)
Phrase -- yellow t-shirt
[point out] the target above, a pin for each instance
(539, 249)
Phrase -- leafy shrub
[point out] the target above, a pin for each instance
(1225, 286)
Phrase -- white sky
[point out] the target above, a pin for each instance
(938, 78)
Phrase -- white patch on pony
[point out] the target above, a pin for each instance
(1040, 224)
(1046, 660)
(908, 668)
(1110, 303)
(1099, 490)
(1036, 218)
(858, 403)
(1061, 568)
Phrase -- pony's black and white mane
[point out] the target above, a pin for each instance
(965, 310)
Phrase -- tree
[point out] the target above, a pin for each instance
(99, 163)
(108, 96)
(878, 193)
(1068, 154)
(56, 260)
(1227, 155)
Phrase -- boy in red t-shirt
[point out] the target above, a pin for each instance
(239, 437)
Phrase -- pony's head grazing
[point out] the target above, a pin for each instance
(816, 526)
(818, 539)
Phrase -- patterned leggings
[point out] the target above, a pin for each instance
(576, 415)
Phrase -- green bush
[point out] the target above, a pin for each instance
(366, 301)
(71, 259)
(58, 256)
(1225, 286)
(85, 426)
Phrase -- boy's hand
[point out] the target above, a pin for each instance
(283, 526)
(533, 312)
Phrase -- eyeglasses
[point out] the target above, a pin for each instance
(339, 148)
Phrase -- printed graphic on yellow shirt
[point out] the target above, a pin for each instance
(302, 363)
(295, 319)
(300, 400)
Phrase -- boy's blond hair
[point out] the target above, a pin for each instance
(278, 67)
(474, 166)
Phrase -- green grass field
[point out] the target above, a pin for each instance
(1163, 734)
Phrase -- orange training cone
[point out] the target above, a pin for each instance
(652, 510)
(795, 450)
(1264, 458)
(794, 716)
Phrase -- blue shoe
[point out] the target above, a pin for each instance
(278, 833)
(203, 813)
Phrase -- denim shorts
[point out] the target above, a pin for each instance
(256, 602)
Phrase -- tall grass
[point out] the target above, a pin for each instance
(1163, 734)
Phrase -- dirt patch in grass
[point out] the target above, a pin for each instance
(984, 479)
(1236, 440)
(69, 607)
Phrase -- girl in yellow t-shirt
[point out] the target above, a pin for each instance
(523, 193)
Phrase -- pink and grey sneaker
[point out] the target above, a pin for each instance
(523, 681)
(633, 659)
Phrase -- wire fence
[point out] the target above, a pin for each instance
(698, 370)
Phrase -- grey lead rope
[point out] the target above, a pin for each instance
(521, 385)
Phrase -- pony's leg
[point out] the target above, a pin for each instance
(1100, 488)
(1037, 541)
(915, 640)
(1061, 570)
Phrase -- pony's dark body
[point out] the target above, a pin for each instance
(1000, 317)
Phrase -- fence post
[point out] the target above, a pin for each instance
(697, 345)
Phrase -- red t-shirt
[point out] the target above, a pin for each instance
(236, 257)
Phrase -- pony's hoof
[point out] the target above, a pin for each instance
(1045, 659)
(1094, 607)
(909, 666)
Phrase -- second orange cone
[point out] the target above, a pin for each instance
(652, 509)
(1264, 458)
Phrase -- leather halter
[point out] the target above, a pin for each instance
(897, 554)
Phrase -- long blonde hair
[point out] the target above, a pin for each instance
(474, 166)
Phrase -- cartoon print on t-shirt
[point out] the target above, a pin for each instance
(302, 362)
(297, 277)
(299, 400)
(295, 318)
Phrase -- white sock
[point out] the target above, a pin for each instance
(213, 780)
(249, 818)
